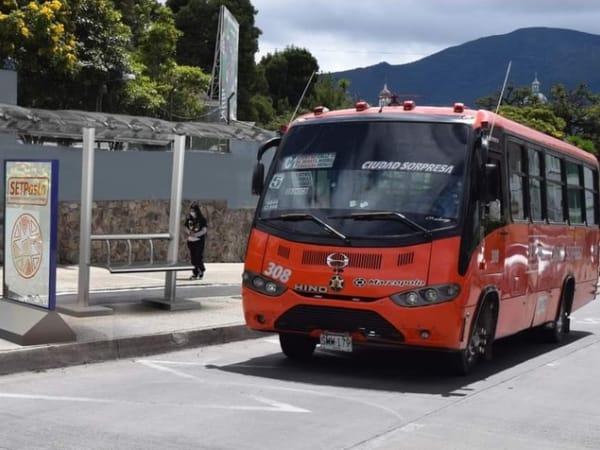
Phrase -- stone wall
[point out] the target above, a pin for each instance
(226, 240)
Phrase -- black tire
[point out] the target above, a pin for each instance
(297, 346)
(555, 331)
(480, 341)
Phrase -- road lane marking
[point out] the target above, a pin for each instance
(57, 398)
(156, 364)
(272, 405)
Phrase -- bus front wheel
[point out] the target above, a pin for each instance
(297, 346)
(480, 341)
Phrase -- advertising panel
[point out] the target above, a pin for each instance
(30, 232)
(229, 64)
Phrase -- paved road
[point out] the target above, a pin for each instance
(247, 395)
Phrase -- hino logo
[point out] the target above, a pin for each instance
(309, 288)
(337, 261)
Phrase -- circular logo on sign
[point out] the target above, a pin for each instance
(26, 243)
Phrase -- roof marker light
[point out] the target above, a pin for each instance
(361, 106)
(318, 110)
(459, 107)
(408, 105)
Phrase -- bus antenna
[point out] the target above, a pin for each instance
(501, 95)
(302, 96)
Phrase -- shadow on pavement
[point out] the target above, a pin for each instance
(396, 370)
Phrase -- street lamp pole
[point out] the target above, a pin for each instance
(103, 88)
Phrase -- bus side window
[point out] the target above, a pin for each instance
(494, 209)
(517, 181)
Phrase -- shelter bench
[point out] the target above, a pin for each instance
(130, 266)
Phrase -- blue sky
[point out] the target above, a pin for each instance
(346, 34)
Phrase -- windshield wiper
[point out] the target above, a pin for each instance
(307, 216)
(374, 215)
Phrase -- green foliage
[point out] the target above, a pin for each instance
(538, 118)
(585, 144)
(187, 88)
(329, 93)
(512, 96)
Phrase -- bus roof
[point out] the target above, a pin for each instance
(458, 112)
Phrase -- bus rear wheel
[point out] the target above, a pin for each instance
(480, 340)
(297, 346)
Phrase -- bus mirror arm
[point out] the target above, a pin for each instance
(258, 174)
(484, 146)
(274, 142)
(490, 188)
(258, 178)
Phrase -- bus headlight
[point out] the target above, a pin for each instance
(430, 295)
(262, 284)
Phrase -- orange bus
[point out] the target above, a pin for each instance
(443, 228)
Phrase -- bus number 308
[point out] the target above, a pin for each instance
(278, 272)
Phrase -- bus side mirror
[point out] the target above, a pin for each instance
(258, 178)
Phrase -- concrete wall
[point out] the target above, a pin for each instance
(8, 86)
(132, 193)
(145, 175)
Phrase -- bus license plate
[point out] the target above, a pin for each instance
(333, 341)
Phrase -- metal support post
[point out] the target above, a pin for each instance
(83, 308)
(175, 213)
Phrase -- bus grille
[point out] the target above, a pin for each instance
(406, 258)
(357, 260)
(307, 318)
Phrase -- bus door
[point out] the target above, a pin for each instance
(494, 247)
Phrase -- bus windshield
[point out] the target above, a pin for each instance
(365, 177)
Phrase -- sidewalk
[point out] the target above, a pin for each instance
(135, 328)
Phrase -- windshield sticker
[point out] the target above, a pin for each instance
(312, 161)
(296, 191)
(276, 181)
(302, 179)
(408, 166)
(271, 204)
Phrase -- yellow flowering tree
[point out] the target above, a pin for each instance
(37, 28)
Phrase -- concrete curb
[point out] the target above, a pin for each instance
(72, 354)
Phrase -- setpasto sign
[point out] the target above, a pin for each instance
(30, 230)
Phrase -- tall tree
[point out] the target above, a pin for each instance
(163, 88)
(198, 20)
(138, 15)
(287, 74)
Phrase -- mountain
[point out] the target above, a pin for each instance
(477, 68)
